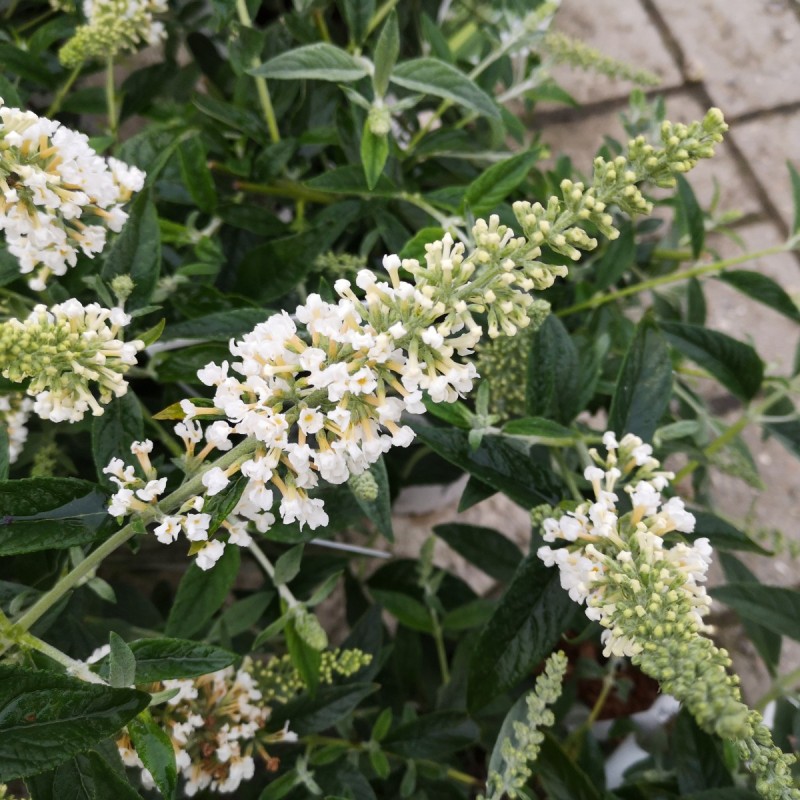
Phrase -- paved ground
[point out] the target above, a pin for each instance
(740, 55)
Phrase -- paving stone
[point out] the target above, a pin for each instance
(744, 51)
(768, 142)
(630, 37)
(581, 138)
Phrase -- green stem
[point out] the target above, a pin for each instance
(261, 83)
(664, 280)
(778, 689)
(267, 566)
(286, 188)
(567, 475)
(242, 451)
(62, 92)
(111, 102)
(77, 668)
(380, 15)
(441, 653)
(322, 26)
(733, 431)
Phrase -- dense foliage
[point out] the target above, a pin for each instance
(311, 255)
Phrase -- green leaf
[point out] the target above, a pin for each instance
(774, 607)
(440, 79)
(491, 187)
(46, 718)
(542, 431)
(137, 251)
(320, 61)
(529, 620)
(698, 763)
(691, 214)
(288, 565)
(19, 63)
(85, 777)
(722, 534)
(357, 14)
(115, 430)
(121, 663)
(795, 179)
(560, 776)
(201, 594)
(374, 152)
(758, 286)
(220, 326)
(350, 180)
(309, 714)
(379, 510)
(786, 432)
(734, 364)
(433, 736)
(768, 643)
(196, 174)
(618, 257)
(644, 384)
(49, 513)
(385, 56)
(696, 307)
(306, 659)
(487, 549)
(382, 725)
(164, 659)
(155, 749)
(407, 610)
(502, 462)
(553, 377)
(474, 614)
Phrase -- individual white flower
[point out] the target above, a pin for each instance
(152, 490)
(195, 526)
(215, 480)
(167, 532)
(210, 553)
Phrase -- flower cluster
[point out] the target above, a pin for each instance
(114, 26)
(320, 394)
(216, 722)
(137, 495)
(64, 351)
(59, 198)
(509, 772)
(649, 598)
(14, 412)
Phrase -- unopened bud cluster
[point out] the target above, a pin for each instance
(521, 749)
(563, 49)
(503, 361)
(68, 353)
(58, 198)
(649, 598)
(14, 412)
(216, 722)
(113, 27)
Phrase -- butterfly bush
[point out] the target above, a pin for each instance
(59, 198)
(647, 592)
